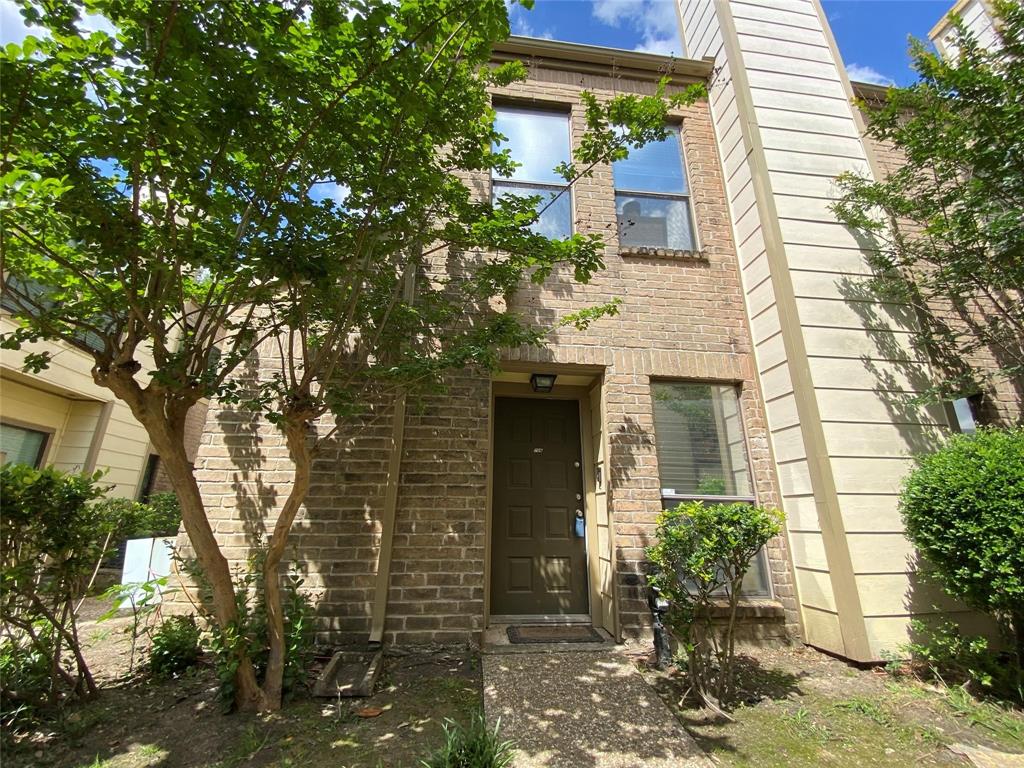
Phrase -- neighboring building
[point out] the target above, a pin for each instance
(977, 17)
(61, 417)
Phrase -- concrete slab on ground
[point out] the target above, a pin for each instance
(583, 710)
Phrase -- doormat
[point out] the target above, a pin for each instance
(553, 633)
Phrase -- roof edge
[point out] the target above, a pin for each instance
(587, 58)
(945, 22)
(870, 91)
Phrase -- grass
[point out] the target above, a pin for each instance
(1005, 725)
(805, 710)
(816, 732)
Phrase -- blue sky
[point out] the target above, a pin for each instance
(872, 34)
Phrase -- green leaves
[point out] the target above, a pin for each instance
(946, 226)
(963, 507)
(705, 548)
(700, 556)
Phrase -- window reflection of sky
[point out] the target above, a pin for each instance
(538, 141)
(654, 167)
(556, 222)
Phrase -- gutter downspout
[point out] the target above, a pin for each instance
(387, 532)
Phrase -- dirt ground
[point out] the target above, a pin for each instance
(141, 723)
(803, 708)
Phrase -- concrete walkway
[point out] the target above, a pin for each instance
(583, 710)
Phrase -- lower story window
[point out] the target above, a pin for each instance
(22, 445)
(702, 454)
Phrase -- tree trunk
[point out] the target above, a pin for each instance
(1017, 620)
(170, 445)
(296, 436)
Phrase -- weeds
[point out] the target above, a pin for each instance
(475, 746)
(867, 708)
(985, 714)
(803, 725)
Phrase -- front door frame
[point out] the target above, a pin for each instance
(581, 394)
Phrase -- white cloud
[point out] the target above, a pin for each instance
(655, 20)
(863, 74)
(518, 19)
(13, 28)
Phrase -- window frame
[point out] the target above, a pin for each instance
(46, 432)
(751, 499)
(686, 197)
(562, 110)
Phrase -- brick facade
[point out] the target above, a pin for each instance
(195, 425)
(682, 317)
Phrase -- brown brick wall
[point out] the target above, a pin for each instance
(195, 424)
(681, 318)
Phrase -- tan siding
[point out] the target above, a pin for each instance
(815, 589)
(865, 407)
(795, 16)
(823, 165)
(83, 417)
(792, 67)
(786, 47)
(808, 550)
(781, 32)
(33, 407)
(788, 119)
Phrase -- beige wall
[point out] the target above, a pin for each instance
(977, 17)
(65, 398)
(837, 366)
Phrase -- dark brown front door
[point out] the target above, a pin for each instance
(538, 562)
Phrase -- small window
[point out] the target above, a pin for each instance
(538, 140)
(652, 197)
(702, 453)
(21, 445)
(149, 477)
(34, 292)
(963, 410)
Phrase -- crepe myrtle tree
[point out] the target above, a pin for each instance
(946, 227)
(214, 181)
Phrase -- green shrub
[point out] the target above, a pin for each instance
(955, 658)
(160, 516)
(174, 646)
(475, 746)
(963, 508)
(250, 629)
(52, 539)
(25, 675)
(164, 518)
(702, 553)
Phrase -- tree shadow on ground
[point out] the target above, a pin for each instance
(755, 683)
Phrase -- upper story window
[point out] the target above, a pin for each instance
(652, 197)
(702, 453)
(36, 292)
(538, 141)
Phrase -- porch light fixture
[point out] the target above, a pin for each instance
(542, 382)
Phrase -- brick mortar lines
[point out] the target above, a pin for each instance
(680, 318)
